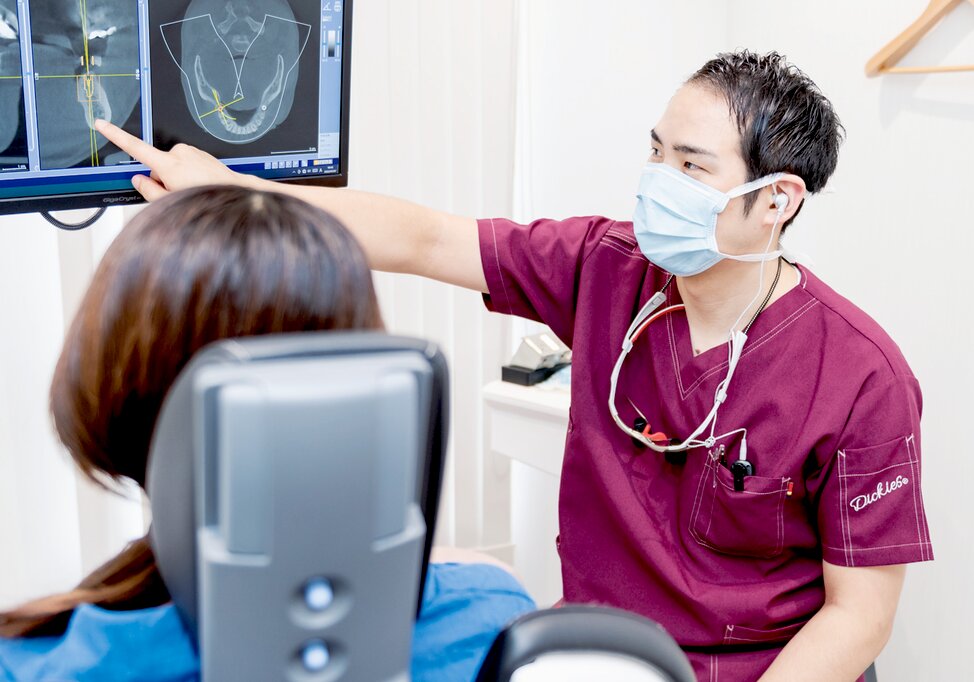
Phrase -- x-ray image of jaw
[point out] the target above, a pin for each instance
(11, 86)
(86, 61)
(239, 64)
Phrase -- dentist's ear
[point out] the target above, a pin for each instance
(787, 198)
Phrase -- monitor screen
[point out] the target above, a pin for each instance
(261, 84)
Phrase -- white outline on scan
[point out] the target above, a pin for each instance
(287, 76)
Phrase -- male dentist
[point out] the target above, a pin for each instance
(743, 454)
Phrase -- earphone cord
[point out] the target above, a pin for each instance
(767, 298)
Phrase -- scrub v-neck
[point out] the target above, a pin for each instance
(692, 370)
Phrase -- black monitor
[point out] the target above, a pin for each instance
(261, 84)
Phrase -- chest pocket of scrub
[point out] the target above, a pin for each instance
(749, 522)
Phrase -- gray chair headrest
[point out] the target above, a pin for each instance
(280, 458)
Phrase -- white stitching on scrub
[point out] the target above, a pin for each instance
(713, 497)
(619, 249)
(923, 512)
(916, 485)
(871, 549)
(781, 515)
(848, 516)
(676, 357)
(696, 509)
(843, 519)
(710, 472)
(758, 342)
(623, 237)
(879, 471)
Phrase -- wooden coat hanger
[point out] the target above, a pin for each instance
(886, 59)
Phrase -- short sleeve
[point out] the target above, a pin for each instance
(533, 270)
(870, 510)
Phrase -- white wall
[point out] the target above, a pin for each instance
(593, 80)
(897, 239)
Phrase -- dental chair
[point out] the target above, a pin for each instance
(294, 482)
(583, 643)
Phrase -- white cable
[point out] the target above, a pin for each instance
(735, 348)
(757, 295)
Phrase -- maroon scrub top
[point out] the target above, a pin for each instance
(832, 413)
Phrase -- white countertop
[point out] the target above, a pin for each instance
(550, 401)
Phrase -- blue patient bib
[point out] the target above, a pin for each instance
(123, 646)
(464, 607)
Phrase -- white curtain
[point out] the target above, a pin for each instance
(432, 122)
(54, 526)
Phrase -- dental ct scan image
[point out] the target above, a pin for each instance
(86, 66)
(227, 74)
(262, 85)
(13, 128)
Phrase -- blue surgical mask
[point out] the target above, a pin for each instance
(676, 220)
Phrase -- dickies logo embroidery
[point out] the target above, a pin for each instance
(882, 490)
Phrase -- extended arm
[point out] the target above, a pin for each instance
(850, 630)
(398, 236)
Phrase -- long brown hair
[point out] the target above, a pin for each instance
(197, 266)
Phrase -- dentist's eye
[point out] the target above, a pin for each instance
(655, 154)
(691, 166)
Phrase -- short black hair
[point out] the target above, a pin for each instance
(786, 123)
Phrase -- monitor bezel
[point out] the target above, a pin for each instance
(108, 198)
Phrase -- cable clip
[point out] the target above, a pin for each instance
(721, 393)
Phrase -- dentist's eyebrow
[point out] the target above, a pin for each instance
(684, 148)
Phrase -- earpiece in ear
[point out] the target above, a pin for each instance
(780, 201)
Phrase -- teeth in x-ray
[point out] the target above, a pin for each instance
(271, 93)
(8, 24)
(93, 99)
(97, 33)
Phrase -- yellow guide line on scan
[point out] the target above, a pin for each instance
(89, 85)
(220, 107)
(75, 75)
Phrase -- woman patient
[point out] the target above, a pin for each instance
(196, 267)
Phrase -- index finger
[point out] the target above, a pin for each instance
(131, 145)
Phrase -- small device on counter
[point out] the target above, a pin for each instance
(537, 358)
